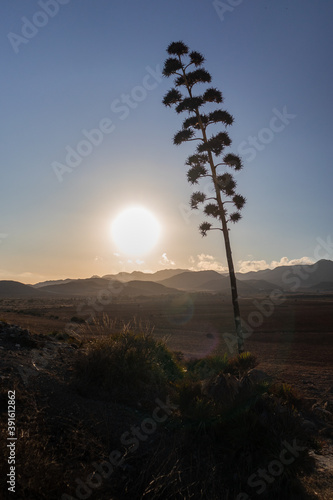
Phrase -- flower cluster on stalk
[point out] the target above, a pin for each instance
(210, 157)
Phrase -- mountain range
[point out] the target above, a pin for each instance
(293, 278)
(314, 278)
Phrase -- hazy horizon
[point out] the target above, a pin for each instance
(147, 272)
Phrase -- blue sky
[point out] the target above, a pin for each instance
(65, 75)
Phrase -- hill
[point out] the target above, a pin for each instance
(83, 287)
(191, 280)
(245, 288)
(314, 278)
(92, 286)
(42, 284)
(294, 277)
(146, 288)
(13, 289)
(141, 276)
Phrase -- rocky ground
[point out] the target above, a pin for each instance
(39, 368)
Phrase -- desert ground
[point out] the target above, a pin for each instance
(295, 340)
(293, 343)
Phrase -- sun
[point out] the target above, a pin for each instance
(135, 231)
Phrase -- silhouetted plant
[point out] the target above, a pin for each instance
(127, 365)
(242, 363)
(199, 369)
(187, 69)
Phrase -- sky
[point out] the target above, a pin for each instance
(84, 134)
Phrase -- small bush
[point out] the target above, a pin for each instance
(199, 369)
(197, 412)
(186, 392)
(216, 452)
(127, 366)
(284, 391)
(241, 364)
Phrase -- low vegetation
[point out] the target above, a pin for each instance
(223, 422)
(127, 365)
(223, 428)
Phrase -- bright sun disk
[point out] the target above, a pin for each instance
(135, 231)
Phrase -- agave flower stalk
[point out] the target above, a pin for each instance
(210, 157)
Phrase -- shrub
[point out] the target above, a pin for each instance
(284, 391)
(213, 453)
(127, 365)
(241, 364)
(200, 369)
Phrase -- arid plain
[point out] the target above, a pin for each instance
(295, 340)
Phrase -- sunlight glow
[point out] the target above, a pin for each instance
(135, 231)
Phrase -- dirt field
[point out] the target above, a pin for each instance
(293, 339)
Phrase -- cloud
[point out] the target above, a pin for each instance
(205, 262)
(166, 261)
(245, 266)
(294, 262)
(124, 260)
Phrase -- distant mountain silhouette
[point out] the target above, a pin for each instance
(301, 278)
(146, 288)
(42, 284)
(125, 277)
(245, 288)
(141, 276)
(218, 284)
(92, 286)
(190, 280)
(16, 289)
(88, 286)
(294, 278)
(259, 285)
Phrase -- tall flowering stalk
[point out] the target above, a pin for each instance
(210, 157)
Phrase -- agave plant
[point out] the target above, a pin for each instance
(210, 157)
